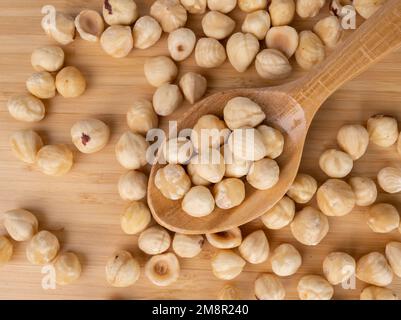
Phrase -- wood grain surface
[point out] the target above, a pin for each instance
(83, 207)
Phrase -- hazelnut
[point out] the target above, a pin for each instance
(243, 112)
(49, 58)
(241, 50)
(178, 150)
(247, 144)
(209, 53)
(90, 135)
(160, 70)
(172, 181)
(229, 193)
(285, 260)
(354, 140)
(389, 179)
(338, 267)
(263, 174)
(132, 185)
(313, 287)
(309, 8)
(146, 32)
(20, 224)
(303, 188)
(373, 268)
(280, 215)
(26, 108)
(90, 25)
(117, 41)
(209, 132)
(383, 130)
(6, 250)
(228, 292)
(42, 248)
(141, 117)
(122, 270)
(70, 82)
(335, 198)
(169, 13)
(25, 145)
(198, 202)
(235, 168)
(163, 269)
(225, 239)
(123, 12)
(378, 293)
(227, 265)
(196, 179)
(67, 268)
(393, 255)
(135, 218)
(366, 8)
(282, 12)
(335, 163)
(272, 64)
(364, 189)
(166, 99)
(273, 140)
(59, 26)
(181, 43)
(329, 31)
(41, 85)
(224, 6)
(284, 39)
(383, 218)
(193, 86)
(269, 287)
(255, 247)
(194, 6)
(310, 226)
(256, 23)
(252, 5)
(310, 51)
(217, 25)
(54, 160)
(131, 150)
(187, 246)
(209, 165)
(154, 240)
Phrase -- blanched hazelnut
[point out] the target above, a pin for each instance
(303, 188)
(25, 145)
(228, 292)
(354, 140)
(366, 8)
(196, 179)
(378, 293)
(132, 185)
(172, 181)
(273, 140)
(393, 255)
(329, 30)
(217, 25)
(209, 53)
(67, 268)
(247, 144)
(42, 248)
(235, 168)
(54, 160)
(284, 39)
(255, 247)
(309, 8)
(141, 117)
(131, 150)
(193, 86)
(256, 23)
(70, 82)
(187, 246)
(198, 202)
(229, 193)
(310, 226)
(383, 218)
(243, 112)
(225, 239)
(313, 287)
(373, 268)
(117, 41)
(154, 240)
(224, 6)
(170, 14)
(282, 12)
(59, 26)
(227, 265)
(389, 179)
(41, 85)
(136, 218)
(90, 25)
(6, 250)
(90, 135)
(160, 70)
(20, 224)
(252, 5)
(338, 267)
(364, 189)
(335, 163)
(280, 215)
(310, 51)
(209, 165)
(123, 12)
(241, 50)
(272, 64)
(146, 32)
(166, 99)
(335, 198)
(26, 108)
(163, 269)
(49, 58)
(194, 6)
(383, 130)
(181, 43)
(269, 287)
(285, 260)
(263, 174)
(178, 150)
(122, 270)
(209, 132)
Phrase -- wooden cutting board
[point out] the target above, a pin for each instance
(83, 207)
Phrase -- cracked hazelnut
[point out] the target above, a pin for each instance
(67, 268)
(284, 39)
(285, 260)
(20, 224)
(70, 82)
(193, 86)
(122, 270)
(178, 150)
(224, 6)
(42, 248)
(54, 160)
(217, 25)
(354, 140)
(335, 198)
(198, 202)
(364, 189)
(132, 185)
(389, 179)
(366, 8)
(241, 50)
(25, 145)
(41, 85)
(166, 99)
(303, 188)
(313, 287)
(160, 70)
(209, 132)
(228, 292)
(172, 181)
(59, 26)
(26, 107)
(187, 246)
(196, 179)
(225, 239)
(209, 53)
(329, 31)
(169, 13)
(154, 240)
(181, 43)
(338, 267)
(131, 150)
(146, 32)
(272, 64)
(90, 25)
(393, 255)
(6, 250)
(194, 6)
(135, 218)
(383, 218)
(269, 287)
(252, 5)
(247, 144)
(282, 12)
(263, 174)
(378, 293)
(273, 140)
(243, 112)
(90, 135)
(310, 51)
(280, 215)
(373, 268)
(122, 12)
(335, 163)
(229, 193)
(256, 23)
(141, 117)
(209, 165)
(383, 130)
(227, 265)
(117, 41)
(49, 58)
(309, 8)
(255, 247)
(163, 269)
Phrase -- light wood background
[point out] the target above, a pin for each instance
(83, 207)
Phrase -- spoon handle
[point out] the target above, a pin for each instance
(378, 36)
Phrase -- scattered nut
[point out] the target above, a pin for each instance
(366, 8)
(131, 150)
(54, 160)
(59, 26)
(227, 265)
(90, 135)
(389, 179)
(25, 145)
(309, 8)
(374, 269)
(335, 198)
(224, 6)
(393, 255)
(169, 13)
(225, 239)
(67, 268)
(272, 64)
(256, 23)
(263, 174)
(193, 86)
(181, 43)
(364, 189)
(90, 25)
(6, 250)
(383, 218)
(383, 130)
(338, 267)
(247, 144)
(303, 188)
(285, 260)
(117, 41)
(273, 140)
(141, 117)
(284, 39)
(194, 6)
(132, 185)
(122, 270)
(146, 32)
(354, 140)
(42, 248)
(280, 215)
(196, 179)
(135, 218)
(255, 247)
(20, 224)
(282, 12)
(329, 30)
(252, 5)
(310, 51)
(166, 99)
(269, 287)
(187, 246)
(198, 202)
(26, 108)
(209, 165)
(41, 85)
(228, 292)
(313, 287)
(335, 163)
(49, 58)
(172, 181)
(177, 150)
(154, 240)
(163, 269)
(229, 193)
(378, 293)
(209, 53)
(70, 82)
(242, 112)
(209, 132)
(122, 12)
(217, 25)
(241, 50)
(160, 70)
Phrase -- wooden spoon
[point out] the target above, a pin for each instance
(291, 108)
